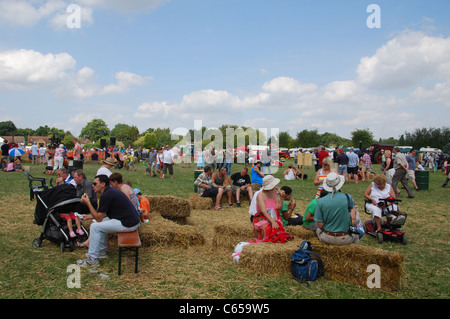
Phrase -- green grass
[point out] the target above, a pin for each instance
(200, 272)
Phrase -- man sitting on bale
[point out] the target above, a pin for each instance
(332, 214)
(242, 184)
(205, 187)
(115, 214)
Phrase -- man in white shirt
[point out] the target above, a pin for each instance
(35, 153)
(168, 161)
(42, 155)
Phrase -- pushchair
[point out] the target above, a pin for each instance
(119, 162)
(51, 204)
(390, 229)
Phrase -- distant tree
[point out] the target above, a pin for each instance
(42, 131)
(150, 140)
(307, 138)
(95, 129)
(7, 128)
(363, 137)
(432, 137)
(284, 140)
(389, 140)
(68, 141)
(331, 139)
(125, 133)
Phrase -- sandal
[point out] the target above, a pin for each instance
(81, 245)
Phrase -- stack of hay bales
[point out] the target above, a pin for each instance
(161, 231)
(171, 207)
(349, 263)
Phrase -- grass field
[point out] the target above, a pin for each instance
(201, 272)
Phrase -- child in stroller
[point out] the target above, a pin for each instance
(52, 204)
(69, 218)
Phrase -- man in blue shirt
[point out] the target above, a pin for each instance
(332, 214)
(353, 162)
(410, 175)
(115, 214)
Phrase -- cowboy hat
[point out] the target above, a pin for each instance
(333, 182)
(109, 161)
(269, 182)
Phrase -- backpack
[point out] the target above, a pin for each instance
(304, 267)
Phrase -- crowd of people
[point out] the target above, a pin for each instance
(115, 206)
(333, 215)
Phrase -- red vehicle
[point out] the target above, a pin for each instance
(283, 155)
(375, 151)
(389, 230)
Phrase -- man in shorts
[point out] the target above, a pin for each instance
(411, 159)
(241, 184)
(353, 163)
(342, 161)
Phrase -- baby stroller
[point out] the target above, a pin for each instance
(119, 164)
(51, 203)
(390, 229)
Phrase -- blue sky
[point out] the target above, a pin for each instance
(290, 65)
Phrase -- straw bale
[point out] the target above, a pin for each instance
(300, 232)
(198, 202)
(228, 235)
(170, 206)
(161, 231)
(203, 203)
(342, 263)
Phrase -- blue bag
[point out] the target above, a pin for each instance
(304, 266)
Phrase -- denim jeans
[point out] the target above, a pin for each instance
(99, 234)
(228, 167)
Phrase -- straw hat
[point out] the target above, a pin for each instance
(269, 182)
(109, 161)
(333, 182)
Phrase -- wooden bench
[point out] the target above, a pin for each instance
(129, 241)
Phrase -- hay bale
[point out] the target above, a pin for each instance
(170, 206)
(300, 232)
(342, 263)
(202, 203)
(228, 235)
(161, 231)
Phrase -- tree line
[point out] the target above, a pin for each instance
(97, 129)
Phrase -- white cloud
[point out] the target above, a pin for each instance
(124, 81)
(406, 61)
(29, 69)
(124, 6)
(22, 69)
(29, 13)
(285, 85)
